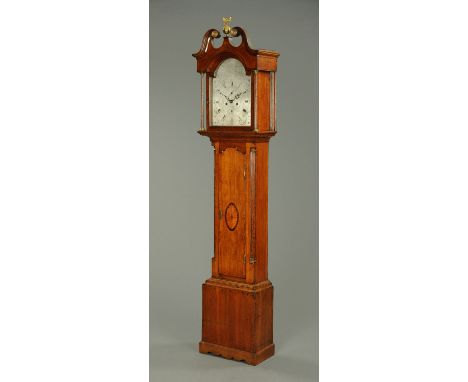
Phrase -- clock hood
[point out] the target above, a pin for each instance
(209, 57)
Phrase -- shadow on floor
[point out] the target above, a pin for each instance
(182, 362)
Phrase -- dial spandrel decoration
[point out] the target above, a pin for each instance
(231, 95)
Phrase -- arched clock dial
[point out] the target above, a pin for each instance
(231, 95)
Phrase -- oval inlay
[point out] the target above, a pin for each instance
(231, 216)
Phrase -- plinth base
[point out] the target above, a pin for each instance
(237, 320)
(238, 355)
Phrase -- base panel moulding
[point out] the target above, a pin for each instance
(239, 355)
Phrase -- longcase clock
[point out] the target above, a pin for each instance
(238, 114)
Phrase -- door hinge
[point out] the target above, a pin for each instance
(253, 260)
(220, 214)
(244, 259)
(244, 173)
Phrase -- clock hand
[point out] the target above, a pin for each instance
(238, 95)
(224, 95)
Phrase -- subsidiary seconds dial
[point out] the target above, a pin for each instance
(231, 95)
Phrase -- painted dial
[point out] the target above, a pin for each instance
(231, 95)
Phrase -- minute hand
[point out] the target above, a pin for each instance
(238, 95)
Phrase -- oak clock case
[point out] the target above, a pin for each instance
(238, 115)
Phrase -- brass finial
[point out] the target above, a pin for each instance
(228, 31)
(227, 27)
